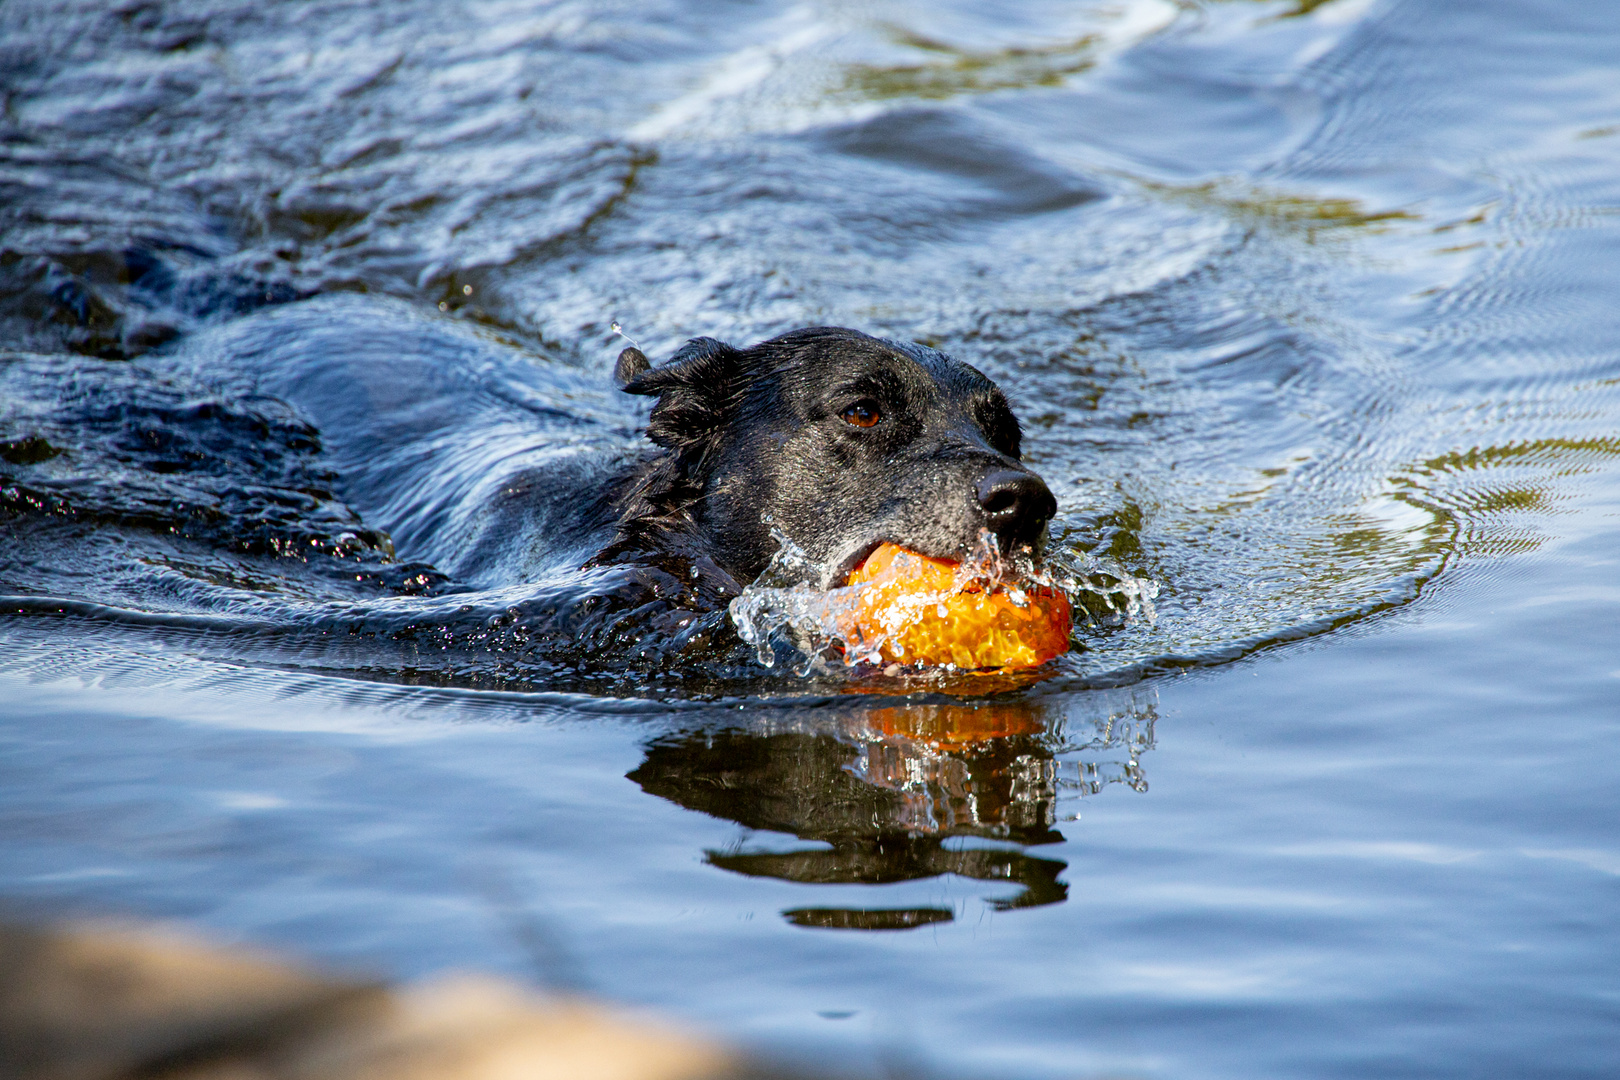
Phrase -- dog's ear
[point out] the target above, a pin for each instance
(695, 391)
(631, 363)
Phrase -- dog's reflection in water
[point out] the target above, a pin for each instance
(886, 787)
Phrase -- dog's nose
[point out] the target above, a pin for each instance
(1017, 505)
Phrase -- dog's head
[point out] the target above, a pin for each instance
(841, 440)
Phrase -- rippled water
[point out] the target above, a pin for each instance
(1308, 308)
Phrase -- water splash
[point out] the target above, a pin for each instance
(618, 329)
(784, 605)
(1108, 594)
(785, 616)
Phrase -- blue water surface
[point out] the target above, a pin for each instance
(1310, 312)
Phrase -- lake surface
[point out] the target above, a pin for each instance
(1309, 309)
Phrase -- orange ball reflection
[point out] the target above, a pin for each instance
(952, 726)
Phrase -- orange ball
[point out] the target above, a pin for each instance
(912, 609)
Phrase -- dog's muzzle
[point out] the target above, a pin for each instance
(1017, 504)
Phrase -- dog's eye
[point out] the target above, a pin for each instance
(863, 413)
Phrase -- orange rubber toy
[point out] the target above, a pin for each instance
(915, 610)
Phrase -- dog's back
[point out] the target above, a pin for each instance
(490, 463)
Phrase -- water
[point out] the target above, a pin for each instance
(1308, 310)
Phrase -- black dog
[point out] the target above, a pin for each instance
(840, 440)
(498, 470)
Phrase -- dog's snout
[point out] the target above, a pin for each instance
(1017, 505)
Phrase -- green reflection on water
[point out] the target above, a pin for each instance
(1488, 513)
(1530, 452)
(1256, 206)
(1337, 569)
(1302, 7)
(959, 71)
(1297, 9)
(1485, 516)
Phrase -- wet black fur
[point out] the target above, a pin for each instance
(754, 438)
(432, 435)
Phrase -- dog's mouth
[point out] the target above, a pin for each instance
(853, 562)
(857, 558)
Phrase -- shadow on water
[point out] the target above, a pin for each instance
(895, 793)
